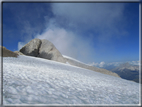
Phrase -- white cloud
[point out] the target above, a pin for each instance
(20, 45)
(67, 42)
(102, 64)
(93, 64)
(72, 19)
(134, 62)
(106, 19)
(61, 38)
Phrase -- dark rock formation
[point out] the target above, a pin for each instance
(7, 53)
(31, 48)
(127, 71)
(48, 50)
(43, 49)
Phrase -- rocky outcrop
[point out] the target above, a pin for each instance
(31, 48)
(7, 53)
(48, 50)
(43, 49)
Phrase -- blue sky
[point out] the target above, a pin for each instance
(89, 32)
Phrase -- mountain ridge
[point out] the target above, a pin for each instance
(127, 71)
(46, 49)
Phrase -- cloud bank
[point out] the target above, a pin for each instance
(105, 19)
(67, 42)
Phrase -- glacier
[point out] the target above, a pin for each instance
(32, 80)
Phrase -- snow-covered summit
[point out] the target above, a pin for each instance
(31, 80)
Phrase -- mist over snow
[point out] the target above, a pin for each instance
(68, 43)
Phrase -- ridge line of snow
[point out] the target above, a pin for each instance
(72, 59)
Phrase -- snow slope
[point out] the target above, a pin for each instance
(77, 63)
(31, 80)
(72, 59)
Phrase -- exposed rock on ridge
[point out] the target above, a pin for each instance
(43, 49)
(48, 50)
(7, 53)
(128, 71)
(32, 48)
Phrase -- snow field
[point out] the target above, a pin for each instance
(30, 80)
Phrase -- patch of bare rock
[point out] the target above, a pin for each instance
(7, 53)
(43, 49)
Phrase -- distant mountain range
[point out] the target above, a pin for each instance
(126, 70)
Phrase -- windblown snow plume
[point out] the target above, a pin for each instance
(31, 80)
